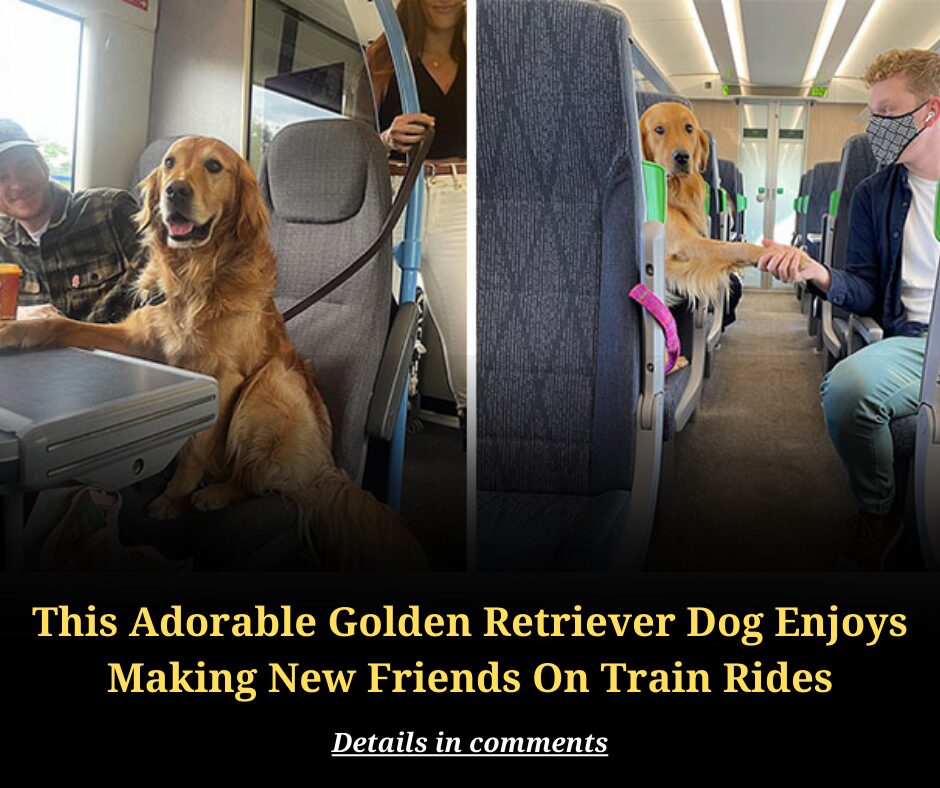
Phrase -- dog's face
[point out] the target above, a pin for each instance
(203, 190)
(672, 137)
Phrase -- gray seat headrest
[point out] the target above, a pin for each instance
(646, 99)
(317, 172)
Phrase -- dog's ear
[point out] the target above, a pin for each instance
(648, 153)
(646, 136)
(252, 217)
(149, 198)
(701, 156)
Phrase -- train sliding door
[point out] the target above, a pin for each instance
(771, 156)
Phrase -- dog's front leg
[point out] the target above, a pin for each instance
(132, 337)
(737, 254)
(197, 457)
(190, 468)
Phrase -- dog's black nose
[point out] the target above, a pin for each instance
(179, 191)
(680, 157)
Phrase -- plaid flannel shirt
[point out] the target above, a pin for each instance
(88, 259)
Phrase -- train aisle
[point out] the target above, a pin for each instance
(756, 484)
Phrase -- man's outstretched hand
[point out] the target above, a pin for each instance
(789, 264)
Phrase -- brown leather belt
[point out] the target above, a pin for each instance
(431, 168)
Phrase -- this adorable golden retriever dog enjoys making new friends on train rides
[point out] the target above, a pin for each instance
(697, 267)
(205, 223)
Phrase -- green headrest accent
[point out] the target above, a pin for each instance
(724, 200)
(936, 221)
(805, 203)
(742, 202)
(834, 202)
(796, 204)
(708, 202)
(654, 185)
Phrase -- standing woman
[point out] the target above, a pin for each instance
(435, 32)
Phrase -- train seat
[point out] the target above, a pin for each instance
(799, 233)
(732, 181)
(683, 388)
(719, 230)
(821, 184)
(647, 98)
(712, 178)
(569, 387)
(926, 460)
(327, 189)
(727, 172)
(803, 194)
(740, 206)
(858, 162)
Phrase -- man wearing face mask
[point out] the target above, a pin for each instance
(891, 266)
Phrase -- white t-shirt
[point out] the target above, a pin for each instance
(920, 251)
(39, 233)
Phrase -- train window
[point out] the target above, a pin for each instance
(48, 44)
(641, 84)
(307, 63)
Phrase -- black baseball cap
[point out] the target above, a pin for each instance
(12, 135)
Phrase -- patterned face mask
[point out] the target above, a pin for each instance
(890, 135)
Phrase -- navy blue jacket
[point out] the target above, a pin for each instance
(871, 282)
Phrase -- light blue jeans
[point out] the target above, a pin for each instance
(860, 396)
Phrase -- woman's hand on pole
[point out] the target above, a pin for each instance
(406, 131)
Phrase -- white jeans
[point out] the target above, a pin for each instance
(443, 274)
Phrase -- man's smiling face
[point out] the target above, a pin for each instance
(24, 184)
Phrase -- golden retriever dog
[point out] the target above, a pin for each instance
(206, 227)
(697, 267)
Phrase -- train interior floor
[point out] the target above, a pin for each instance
(434, 495)
(753, 482)
(434, 491)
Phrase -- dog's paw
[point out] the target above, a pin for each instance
(216, 496)
(23, 334)
(681, 362)
(166, 508)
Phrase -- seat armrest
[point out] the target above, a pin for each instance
(630, 551)
(390, 380)
(863, 331)
(828, 235)
(653, 371)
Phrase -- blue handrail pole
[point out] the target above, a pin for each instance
(410, 260)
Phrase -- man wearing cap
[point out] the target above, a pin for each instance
(78, 252)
